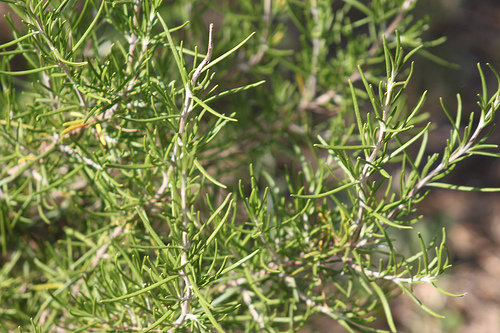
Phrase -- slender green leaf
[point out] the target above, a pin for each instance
(18, 40)
(205, 173)
(89, 29)
(142, 291)
(463, 188)
(228, 53)
(29, 71)
(385, 304)
(322, 195)
(212, 111)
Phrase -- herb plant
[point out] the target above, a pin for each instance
(161, 173)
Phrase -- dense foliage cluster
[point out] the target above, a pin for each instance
(230, 166)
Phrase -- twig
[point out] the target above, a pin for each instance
(309, 302)
(101, 253)
(188, 293)
(72, 152)
(253, 312)
(208, 57)
(62, 65)
(365, 173)
(290, 281)
(392, 278)
(256, 58)
(390, 29)
(310, 101)
(132, 65)
(458, 154)
(309, 91)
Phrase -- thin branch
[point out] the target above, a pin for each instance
(290, 281)
(392, 278)
(453, 157)
(266, 18)
(72, 152)
(101, 253)
(253, 312)
(379, 145)
(389, 31)
(62, 65)
(132, 66)
(309, 91)
(312, 102)
(309, 302)
(188, 293)
(208, 57)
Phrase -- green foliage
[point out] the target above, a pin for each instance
(126, 131)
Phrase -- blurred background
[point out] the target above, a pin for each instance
(472, 219)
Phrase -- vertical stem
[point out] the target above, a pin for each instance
(310, 85)
(365, 173)
(256, 58)
(177, 155)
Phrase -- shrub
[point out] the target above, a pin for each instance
(123, 145)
